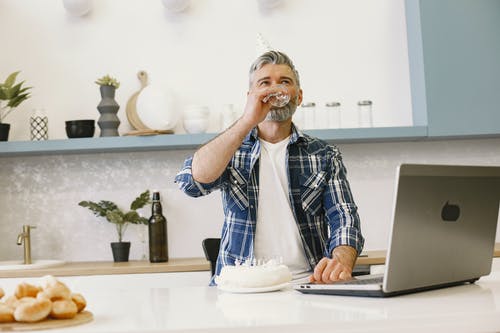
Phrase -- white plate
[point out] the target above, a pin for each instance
(241, 290)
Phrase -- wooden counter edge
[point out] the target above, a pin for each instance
(81, 268)
(376, 257)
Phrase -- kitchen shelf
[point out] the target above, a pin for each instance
(191, 141)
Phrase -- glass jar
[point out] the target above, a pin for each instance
(365, 117)
(309, 113)
(333, 113)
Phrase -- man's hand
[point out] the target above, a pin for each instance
(255, 109)
(338, 268)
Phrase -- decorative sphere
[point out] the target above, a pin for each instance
(176, 6)
(155, 108)
(77, 7)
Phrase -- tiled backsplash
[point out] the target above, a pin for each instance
(45, 191)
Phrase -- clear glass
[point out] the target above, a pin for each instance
(309, 112)
(279, 97)
(365, 114)
(333, 111)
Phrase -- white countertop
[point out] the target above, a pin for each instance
(174, 303)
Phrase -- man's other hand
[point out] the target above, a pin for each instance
(339, 267)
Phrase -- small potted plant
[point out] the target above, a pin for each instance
(108, 107)
(120, 219)
(13, 94)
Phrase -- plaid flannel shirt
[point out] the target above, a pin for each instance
(321, 199)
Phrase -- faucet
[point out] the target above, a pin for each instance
(25, 238)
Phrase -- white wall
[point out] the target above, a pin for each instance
(344, 50)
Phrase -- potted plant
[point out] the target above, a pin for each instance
(120, 219)
(13, 94)
(108, 121)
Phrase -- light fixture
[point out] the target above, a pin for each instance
(78, 7)
(175, 6)
(269, 4)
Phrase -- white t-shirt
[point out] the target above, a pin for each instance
(276, 233)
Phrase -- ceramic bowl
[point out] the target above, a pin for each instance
(80, 128)
(195, 125)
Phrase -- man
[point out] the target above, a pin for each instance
(285, 194)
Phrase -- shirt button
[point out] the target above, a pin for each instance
(251, 206)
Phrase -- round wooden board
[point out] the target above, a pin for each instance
(81, 318)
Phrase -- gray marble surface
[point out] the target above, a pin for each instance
(45, 191)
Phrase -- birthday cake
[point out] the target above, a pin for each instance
(254, 276)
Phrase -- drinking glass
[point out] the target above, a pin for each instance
(278, 98)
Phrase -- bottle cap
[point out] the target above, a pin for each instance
(156, 196)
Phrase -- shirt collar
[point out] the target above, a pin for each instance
(297, 135)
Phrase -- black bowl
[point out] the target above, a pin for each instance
(80, 128)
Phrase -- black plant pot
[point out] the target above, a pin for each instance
(121, 251)
(4, 132)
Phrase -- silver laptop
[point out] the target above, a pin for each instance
(443, 232)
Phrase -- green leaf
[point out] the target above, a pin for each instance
(141, 201)
(11, 79)
(115, 216)
(131, 217)
(14, 102)
(3, 93)
(101, 208)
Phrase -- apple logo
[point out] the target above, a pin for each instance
(450, 212)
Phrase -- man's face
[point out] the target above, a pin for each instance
(270, 75)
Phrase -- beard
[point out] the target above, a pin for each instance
(284, 113)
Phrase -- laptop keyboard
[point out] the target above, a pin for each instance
(374, 280)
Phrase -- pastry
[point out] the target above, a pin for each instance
(79, 300)
(32, 311)
(2, 293)
(26, 290)
(12, 301)
(55, 292)
(31, 303)
(6, 313)
(64, 309)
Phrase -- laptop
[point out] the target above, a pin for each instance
(443, 232)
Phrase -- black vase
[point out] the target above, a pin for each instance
(108, 121)
(4, 132)
(121, 251)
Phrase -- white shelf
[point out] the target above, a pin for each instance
(192, 141)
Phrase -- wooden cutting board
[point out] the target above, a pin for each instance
(81, 318)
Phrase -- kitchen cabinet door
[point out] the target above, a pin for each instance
(461, 61)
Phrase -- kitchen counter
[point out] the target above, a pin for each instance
(106, 267)
(142, 266)
(120, 305)
(376, 257)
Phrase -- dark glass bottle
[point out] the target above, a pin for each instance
(158, 244)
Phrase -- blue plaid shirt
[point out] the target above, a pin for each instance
(321, 199)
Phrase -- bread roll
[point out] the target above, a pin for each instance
(26, 290)
(65, 309)
(55, 292)
(6, 313)
(30, 312)
(12, 301)
(79, 300)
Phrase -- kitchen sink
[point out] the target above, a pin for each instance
(36, 264)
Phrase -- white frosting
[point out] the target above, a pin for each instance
(246, 276)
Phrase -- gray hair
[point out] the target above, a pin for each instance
(275, 58)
